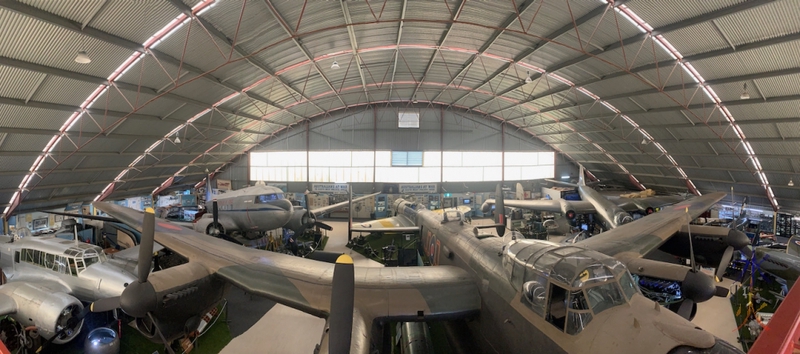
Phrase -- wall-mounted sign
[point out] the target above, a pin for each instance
(420, 188)
(224, 184)
(335, 188)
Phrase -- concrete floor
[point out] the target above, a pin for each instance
(284, 330)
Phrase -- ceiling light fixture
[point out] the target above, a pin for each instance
(177, 139)
(83, 58)
(335, 65)
(644, 141)
(745, 95)
(414, 100)
(528, 78)
(791, 183)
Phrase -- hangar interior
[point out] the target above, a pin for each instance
(129, 102)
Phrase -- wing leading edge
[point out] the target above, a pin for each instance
(644, 235)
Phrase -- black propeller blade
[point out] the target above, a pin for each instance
(500, 211)
(146, 244)
(323, 225)
(322, 256)
(104, 305)
(340, 322)
(215, 215)
(686, 309)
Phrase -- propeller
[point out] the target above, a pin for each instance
(687, 309)
(215, 215)
(734, 243)
(340, 322)
(309, 220)
(500, 211)
(138, 298)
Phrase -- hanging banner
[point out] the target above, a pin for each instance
(335, 188)
(420, 188)
(224, 184)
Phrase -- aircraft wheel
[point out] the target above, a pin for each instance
(215, 229)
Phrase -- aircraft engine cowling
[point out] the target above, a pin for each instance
(649, 210)
(49, 311)
(622, 218)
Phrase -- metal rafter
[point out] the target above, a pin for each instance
(446, 34)
(503, 26)
(121, 85)
(300, 46)
(241, 51)
(641, 37)
(56, 20)
(397, 46)
(110, 168)
(710, 168)
(668, 64)
(708, 107)
(354, 46)
(679, 87)
(99, 112)
(597, 11)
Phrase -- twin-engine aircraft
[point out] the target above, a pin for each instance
(611, 213)
(261, 208)
(48, 277)
(517, 296)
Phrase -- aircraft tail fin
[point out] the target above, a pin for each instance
(519, 193)
(582, 177)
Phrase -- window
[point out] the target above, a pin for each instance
(628, 285)
(406, 158)
(557, 309)
(534, 294)
(265, 198)
(605, 296)
(407, 119)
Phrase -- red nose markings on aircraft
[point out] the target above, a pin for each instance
(170, 226)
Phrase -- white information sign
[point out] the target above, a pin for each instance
(422, 188)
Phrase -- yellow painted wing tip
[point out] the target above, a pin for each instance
(344, 259)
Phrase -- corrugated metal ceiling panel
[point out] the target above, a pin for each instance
(766, 21)
(133, 20)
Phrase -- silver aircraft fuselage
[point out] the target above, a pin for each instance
(79, 269)
(257, 208)
(609, 213)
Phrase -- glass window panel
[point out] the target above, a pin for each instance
(513, 173)
(492, 173)
(258, 159)
(318, 174)
(451, 158)
(363, 158)
(399, 158)
(547, 158)
(432, 159)
(605, 296)
(383, 174)
(415, 158)
(410, 175)
(383, 158)
(481, 158)
(408, 119)
(330, 158)
(463, 174)
(429, 174)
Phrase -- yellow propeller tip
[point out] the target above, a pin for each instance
(344, 259)
(150, 210)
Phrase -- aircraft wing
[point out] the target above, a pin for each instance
(579, 206)
(337, 206)
(7, 304)
(399, 223)
(639, 237)
(636, 204)
(399, 293)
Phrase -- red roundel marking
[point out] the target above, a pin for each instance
(170, 226)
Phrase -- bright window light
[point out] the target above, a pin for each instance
(408, 119)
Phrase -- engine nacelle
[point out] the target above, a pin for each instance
(50, 312)
(622, 218)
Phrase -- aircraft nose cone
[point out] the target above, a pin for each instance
(138, 299)
(284, 204)
(738, 239)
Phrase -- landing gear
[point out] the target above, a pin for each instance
(215, 229)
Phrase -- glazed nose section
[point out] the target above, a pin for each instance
(720, 347)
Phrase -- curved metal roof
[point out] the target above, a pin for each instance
(645, 90)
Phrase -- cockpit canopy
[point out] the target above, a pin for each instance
(265, 198)
(567, 285)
